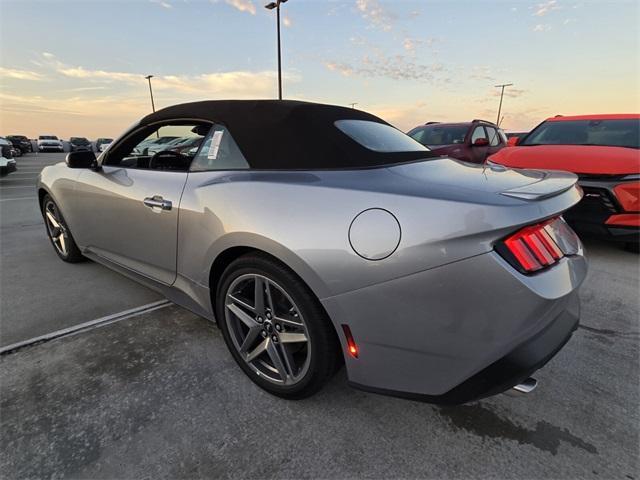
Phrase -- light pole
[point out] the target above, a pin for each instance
(353, 105)
(271, 6)
(501, 95)
(153, 107)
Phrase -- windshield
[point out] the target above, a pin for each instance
(613, 133)
(378, 136)
(434, 135)
(48, 137)
(80, 140)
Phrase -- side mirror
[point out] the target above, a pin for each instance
(481, 142)
(82, 159)
(513, 141)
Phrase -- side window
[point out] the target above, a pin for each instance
(494, 140)
(478, 133)
(167, 147)
(219, 151)
(503, 137)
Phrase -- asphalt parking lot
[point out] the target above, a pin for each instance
(156, 395)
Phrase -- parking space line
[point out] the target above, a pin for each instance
(85, 326)
(17, 198)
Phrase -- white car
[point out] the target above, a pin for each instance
(7, 162)
(49, 143)
(104, 146)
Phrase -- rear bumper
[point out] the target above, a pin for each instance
(460, 332)
(508, 371)
(56, 148)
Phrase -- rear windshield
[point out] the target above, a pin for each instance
(48, 137)
(440, 134)
(379, 137)
(78, 140)
(614, 133)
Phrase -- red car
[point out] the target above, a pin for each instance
(603, 150)
(471, 141)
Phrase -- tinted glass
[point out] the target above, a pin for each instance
(616, 133)
(48, 137)
(219, 151)
(494, 140)
(440, 134)
(478, 132)
(378, 136)
(159, 148)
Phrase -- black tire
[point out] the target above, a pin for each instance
(73, 254)
(325, 356)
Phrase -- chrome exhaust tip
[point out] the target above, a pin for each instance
(527, 386)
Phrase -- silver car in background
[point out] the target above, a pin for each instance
(316, 235)
(49, 143)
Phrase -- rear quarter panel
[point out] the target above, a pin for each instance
(303, 219)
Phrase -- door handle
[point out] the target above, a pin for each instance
(157, 202)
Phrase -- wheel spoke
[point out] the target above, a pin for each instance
(258, 295)
(250, 339)
(240, 302)
(293, 337)
(255, 353)
(275, 357)
(286, 321)
(289, 363)
(269, 299)
(63, 244)
(242, 315)
(52, 220)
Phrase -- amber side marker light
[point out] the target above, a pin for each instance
(352, 348)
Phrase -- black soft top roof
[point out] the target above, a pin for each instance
(287, 134)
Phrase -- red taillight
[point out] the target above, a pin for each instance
(628, 194)
(352, 348)
(532, 248)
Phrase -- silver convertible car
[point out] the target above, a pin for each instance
(317, 235)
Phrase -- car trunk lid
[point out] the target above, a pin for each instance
(486, 180)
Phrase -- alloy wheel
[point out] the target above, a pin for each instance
(267, 329)
(56, 228)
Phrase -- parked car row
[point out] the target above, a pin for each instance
(603, 150)
(52, 143)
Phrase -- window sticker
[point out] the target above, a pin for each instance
(215, 145)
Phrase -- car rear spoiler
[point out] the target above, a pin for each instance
(553, 183)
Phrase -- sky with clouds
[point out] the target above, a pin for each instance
(76, 68)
